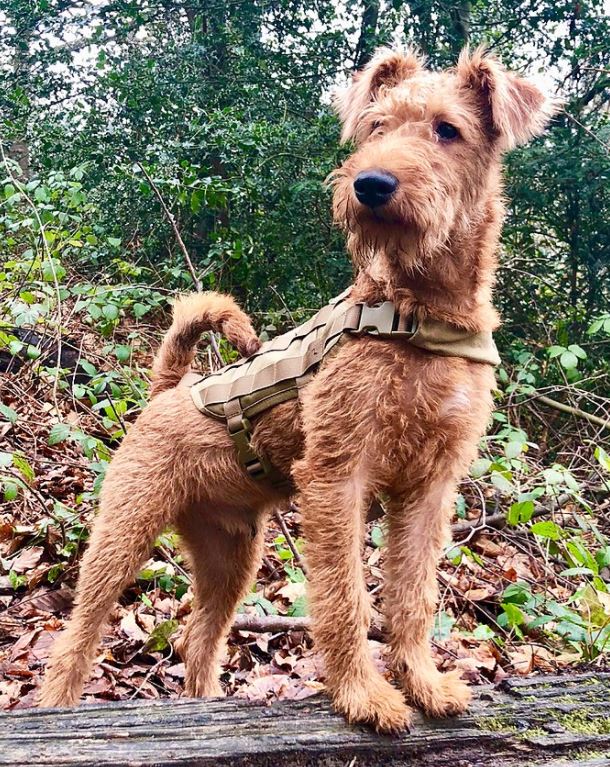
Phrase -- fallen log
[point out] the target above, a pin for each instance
(556, 721)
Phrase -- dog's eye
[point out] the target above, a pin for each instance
(377, 124)
(446, 131)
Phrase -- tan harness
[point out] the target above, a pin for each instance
(284, 365)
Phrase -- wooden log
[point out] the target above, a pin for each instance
(556, 721)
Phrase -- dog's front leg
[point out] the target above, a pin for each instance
(333, 479)
(418, 528)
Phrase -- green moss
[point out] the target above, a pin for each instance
(495, 724)
(533, 732)
(584, 723)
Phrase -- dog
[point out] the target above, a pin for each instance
(420, 200)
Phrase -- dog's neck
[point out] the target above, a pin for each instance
(453, 285)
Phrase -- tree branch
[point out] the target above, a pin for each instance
(597, 420)
(170, 217)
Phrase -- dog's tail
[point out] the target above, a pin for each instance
(192, 315)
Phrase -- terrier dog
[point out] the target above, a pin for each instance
(420, 200)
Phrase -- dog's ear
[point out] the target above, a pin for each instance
(515, 110)
(386, 69)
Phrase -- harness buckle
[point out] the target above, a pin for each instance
(240, 431)
(383, 320)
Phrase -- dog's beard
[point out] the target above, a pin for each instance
(398, 231)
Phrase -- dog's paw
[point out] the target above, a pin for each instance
(374, 702)
(203, 686)
(437, 694)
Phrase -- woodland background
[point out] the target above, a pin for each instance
(220, 108)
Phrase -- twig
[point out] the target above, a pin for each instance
(170, 217)
(196, 281)
(289, 540)
(498, 521)
(586, 130)
(597, 420)
(279, 623)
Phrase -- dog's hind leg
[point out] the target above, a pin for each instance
(224, 565)
(418, 528)
(139, 497)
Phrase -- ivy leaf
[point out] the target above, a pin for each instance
(11, 415)
(110, 311)
(161, 634)
(59, 433)
(547, 529)
(122, 352)
(11, 490)
(139, 310)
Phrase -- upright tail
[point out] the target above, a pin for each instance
(192, 315)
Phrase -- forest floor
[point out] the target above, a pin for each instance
(497, 581)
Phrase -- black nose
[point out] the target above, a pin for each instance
(375, 187)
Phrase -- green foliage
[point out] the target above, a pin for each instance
(226, 108)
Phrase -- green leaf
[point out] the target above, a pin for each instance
(547, 529)
(89, 369)
(513, 449)
(578, 351)
(299, 607)
(11, 490)
(483, 631)
(568, 360)
(480, 467)
(577, 571)
(161, 634)
(555, 351)
(110, 311)
(514, 615)
(553, 477)
(16, 581)
(139, 310)
(602, 457)
(22, 465)
(6, 460)
(501, 482)
(122, 352)
(59, 433)
(443, 624)
(295, 574)
(114, 241)
(377, 537)
(11, 415)
(521, 511)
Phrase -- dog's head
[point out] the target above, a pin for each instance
(428, 146)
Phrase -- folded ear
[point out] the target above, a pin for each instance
(386, 69)
(515, 109)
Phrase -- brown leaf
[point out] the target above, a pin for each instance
(130, 628)
(177, 670)
(57, 601)
(27, 560)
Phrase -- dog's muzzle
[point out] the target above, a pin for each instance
(374, 188)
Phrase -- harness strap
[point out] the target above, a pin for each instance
(250, 386)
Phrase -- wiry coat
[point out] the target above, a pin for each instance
(379, 416)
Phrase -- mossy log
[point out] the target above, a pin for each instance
(556, 721)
